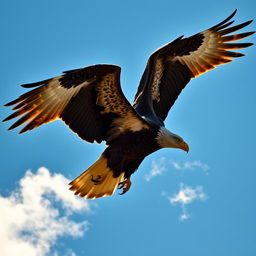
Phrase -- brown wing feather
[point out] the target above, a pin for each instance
(177, 62)
(88, 100)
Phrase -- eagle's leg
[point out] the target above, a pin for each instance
(125, 185)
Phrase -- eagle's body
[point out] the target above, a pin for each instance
(128, 151)
(90, 101)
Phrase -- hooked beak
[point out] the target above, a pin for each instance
(184, 146)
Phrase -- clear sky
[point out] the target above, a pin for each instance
(200, 203)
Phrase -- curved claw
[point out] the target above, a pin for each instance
(120, 185)
(122, 192)
(125, 185)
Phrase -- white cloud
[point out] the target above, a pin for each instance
(190, 165)
(187, 195)
(37, 213)
(69, 252)
(184, 215)
(158, 168)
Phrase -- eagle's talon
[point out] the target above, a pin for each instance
(124, 185)
(120, 186)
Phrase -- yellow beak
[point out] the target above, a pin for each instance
(184, 146)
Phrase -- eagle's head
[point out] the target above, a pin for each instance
(167, 139)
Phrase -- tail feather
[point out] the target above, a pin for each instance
(97, 181)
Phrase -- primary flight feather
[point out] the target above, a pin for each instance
(90, 101)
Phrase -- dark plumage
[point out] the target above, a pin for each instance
(90, 101)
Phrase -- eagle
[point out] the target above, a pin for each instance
(90, 101)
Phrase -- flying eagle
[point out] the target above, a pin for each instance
(90, 101)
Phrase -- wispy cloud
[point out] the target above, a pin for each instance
(158, 167)
(190, 165)
(35, 215)
(187, 195)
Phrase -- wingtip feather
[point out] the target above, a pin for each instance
(27, 85)
(25, 129)
(224, 21)
(30, 85)
(12, 102)
(13, 115)
(11, 127)
(234, 28)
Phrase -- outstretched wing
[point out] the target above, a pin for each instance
(88, 100)
(171, 67)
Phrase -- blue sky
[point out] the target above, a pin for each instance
(200, 203)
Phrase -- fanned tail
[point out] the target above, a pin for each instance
(97, 181)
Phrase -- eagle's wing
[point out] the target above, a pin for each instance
(89, 100)
(172, 66)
